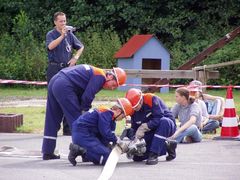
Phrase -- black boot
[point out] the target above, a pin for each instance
(75, 151)
(171, 149)
(50, 156)
(152, 159)
(84, 158)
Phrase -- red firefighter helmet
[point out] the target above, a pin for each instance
(134, 96)
(126, 106)
(120, 75)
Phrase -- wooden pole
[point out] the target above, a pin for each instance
(212, 66)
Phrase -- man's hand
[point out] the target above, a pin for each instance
(123, 146)
(64, 31)
(173, 137)
(141, 131)
(72, 61)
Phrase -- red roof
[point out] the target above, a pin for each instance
(132, 46)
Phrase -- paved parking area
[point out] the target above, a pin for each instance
(219, 160)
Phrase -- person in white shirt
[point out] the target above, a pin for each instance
(213, 104)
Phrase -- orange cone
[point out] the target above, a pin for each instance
(229, 129)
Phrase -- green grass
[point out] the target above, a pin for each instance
(8, 93)
(34, 116)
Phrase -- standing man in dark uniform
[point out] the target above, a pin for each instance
(60, 43)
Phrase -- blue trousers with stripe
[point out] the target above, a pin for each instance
(155, 143)
(97, 150)
(63, 99)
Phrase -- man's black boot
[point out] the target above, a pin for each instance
(84, 158)
(152, 159)
(50, 156)
(75, 151)
(171, 150)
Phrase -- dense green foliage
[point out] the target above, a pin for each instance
(185, 27)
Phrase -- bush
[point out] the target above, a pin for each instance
(100, 47)
(23, 57)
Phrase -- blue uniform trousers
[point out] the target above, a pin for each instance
(63, 99)
(97, 150)
(155, 143)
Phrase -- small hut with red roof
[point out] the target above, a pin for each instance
(143, 52)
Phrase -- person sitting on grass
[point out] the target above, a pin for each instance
(189, 114)
(195, 93)
(214, 105)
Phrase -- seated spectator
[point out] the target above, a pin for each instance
(195, 93)
(189, 114)
(215, 108)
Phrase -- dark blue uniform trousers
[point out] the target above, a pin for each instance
(155, 143)
(63, 98)
(97, 150)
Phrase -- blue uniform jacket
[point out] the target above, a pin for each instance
(151, 112)
(99, 123)
(86, 78)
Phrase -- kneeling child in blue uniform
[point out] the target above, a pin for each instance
(93, 131)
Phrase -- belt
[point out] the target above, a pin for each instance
(59, 64)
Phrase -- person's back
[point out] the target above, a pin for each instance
(98, 121)
(80, 75)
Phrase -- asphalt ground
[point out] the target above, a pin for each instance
(210, 159)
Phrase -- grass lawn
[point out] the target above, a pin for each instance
(33, 119)
(10, 93)
(34, 116)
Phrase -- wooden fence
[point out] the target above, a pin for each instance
(172, 74)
